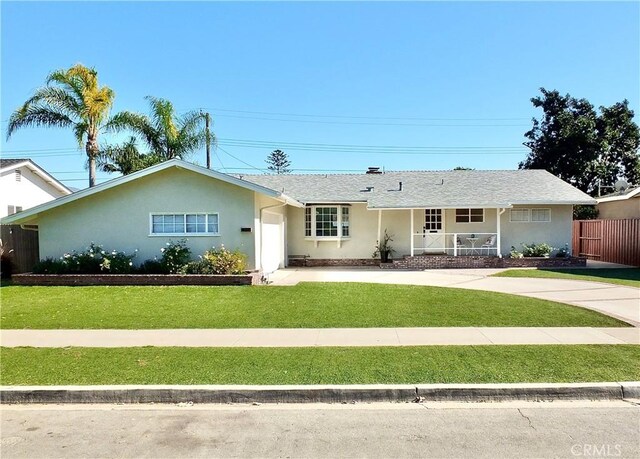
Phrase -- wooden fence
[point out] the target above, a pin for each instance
(24, 244)
(613, 241)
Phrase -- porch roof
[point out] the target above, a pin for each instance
(419, 189)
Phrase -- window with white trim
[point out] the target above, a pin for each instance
(327, 222)
(540, 215)
(185, 224)
(519, 215)
(469, 215)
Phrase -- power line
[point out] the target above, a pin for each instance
(361, 117)
(243, 162)
(367, 123)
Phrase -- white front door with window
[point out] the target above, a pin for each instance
(433, 231)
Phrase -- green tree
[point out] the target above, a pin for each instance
(582, 147)
(70, 98)
(125, 158)
(278, 162)
(165, 134)
(462, 168)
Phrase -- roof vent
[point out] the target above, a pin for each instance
(373, 170)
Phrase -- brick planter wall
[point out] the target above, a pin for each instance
(251, 278)
(444, 262)
(316, 262)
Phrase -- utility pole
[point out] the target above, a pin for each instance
(208, 139)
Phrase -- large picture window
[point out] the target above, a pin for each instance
(469, 215)
(326, 222)
(185, 224)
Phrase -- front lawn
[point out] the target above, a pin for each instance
(622, 276)
(307, 305)
(326, 365)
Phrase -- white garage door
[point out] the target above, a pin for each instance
(272, 242)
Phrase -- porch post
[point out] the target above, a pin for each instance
(379, 224)
(499, 212)
(411, 234)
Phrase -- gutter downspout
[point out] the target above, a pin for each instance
(261, 236)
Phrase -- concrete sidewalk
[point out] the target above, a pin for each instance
(314, 337)
(617, 301)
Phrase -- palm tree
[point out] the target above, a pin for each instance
(125, 158)
(70, 98)
(166, 135)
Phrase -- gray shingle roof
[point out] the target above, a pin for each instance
(8, 162)
(464, 188)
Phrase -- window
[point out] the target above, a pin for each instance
(432, 220)
(307, 221)
(18, 176)
(13, 209)
(185, 224)
(519, 215)
(469, 215)
(530, 215)
(345, 222)
(326, 221)
(540, 215)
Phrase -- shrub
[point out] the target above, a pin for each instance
(514, 253)
(6, 261)
(50, 266)
(564, 252)
(93, 260)
(117, 262)
(218, 261)
(152, 267)
(175, 256)
(536, 250)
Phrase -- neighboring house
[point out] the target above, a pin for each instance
(24, 184)
(338, 218)
(621, 205)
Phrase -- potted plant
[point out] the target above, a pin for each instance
(383, 248)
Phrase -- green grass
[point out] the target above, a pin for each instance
(621, 276)
(307, 305)
(331, 365)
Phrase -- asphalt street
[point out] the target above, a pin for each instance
(443, 430)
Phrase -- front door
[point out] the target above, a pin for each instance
(434, 237)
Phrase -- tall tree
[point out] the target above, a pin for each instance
(278, 162)
(165, 134)
(582, 147)
(70, 98)
(125, 158)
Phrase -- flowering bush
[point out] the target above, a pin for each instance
(536, 250)
(218, 261)
(93, 260)
(175, 256)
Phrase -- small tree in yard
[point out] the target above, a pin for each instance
(278, 162)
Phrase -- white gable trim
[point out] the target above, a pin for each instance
(26, 214)
(623, 197)
(44, 175)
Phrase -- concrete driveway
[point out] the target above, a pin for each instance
(614, 300)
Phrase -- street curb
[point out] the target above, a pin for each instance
(319, 393)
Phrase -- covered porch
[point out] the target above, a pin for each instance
(472, 231)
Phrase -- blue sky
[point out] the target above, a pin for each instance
(450, 78)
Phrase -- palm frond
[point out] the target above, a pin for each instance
(80, 130)
(36, 115)
(58, 99)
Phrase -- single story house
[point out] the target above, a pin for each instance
(623, 204)
(337, 218)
